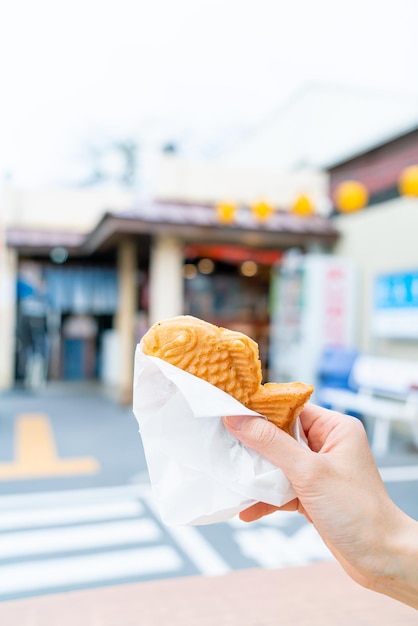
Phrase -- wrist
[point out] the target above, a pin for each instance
(395, 573)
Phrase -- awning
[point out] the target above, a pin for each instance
(193, 224)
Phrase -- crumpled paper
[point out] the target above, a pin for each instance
(199, 472)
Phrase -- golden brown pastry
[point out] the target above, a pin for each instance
(229, 360)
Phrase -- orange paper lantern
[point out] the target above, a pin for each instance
(303, 206)
(226, 212)
(262, 210)
(351, 196)
(408, 181)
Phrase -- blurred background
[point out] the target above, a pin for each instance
(254, 164)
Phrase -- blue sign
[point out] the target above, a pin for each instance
(396, 291)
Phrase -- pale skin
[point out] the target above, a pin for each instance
(339, 490)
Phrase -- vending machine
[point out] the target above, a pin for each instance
(313, 307)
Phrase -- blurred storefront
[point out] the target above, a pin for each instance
(62, 311)
(99, 294)
(74, 305)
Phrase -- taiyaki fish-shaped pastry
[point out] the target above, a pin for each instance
(230, 361)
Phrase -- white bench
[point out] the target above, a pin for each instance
(386, 392)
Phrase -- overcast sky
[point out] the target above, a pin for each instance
(81, 72)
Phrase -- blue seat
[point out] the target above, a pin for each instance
(335, 366)
(334, 370)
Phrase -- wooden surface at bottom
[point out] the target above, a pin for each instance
(307, 596)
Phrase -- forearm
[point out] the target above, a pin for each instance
(399, 577)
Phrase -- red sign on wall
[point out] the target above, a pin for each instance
(233, 254)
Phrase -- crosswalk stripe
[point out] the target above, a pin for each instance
(55, 573)
(24, 518)
(61, 540)
(102, 494)
(200, 552)
(270, 547)
(27, 543)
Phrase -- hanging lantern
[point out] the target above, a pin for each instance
(262, 210)
(408, 182)
(226, 212)
(351, 196)
(303, 206)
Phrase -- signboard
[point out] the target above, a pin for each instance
(233, 254)
(313, 307)
(395, 306)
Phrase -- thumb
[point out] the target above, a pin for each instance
(271, 442)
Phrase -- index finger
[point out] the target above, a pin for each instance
(318, 423)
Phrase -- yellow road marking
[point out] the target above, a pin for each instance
(36, 455)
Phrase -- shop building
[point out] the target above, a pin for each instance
(369, 138)
(87, 299)
(76, 297)
(381, 239)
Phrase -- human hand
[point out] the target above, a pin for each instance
(338, 488)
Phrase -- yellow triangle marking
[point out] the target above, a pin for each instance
(36, 455)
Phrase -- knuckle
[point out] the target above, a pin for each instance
(357, 427)
(263, 433)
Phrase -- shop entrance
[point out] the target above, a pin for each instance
(230, 286)
(62, 315)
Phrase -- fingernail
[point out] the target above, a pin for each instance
(235, 421)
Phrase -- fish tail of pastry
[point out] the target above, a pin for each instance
(281, 403)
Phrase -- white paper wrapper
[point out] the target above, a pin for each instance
(199, 472)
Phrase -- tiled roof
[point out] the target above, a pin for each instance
(33, 237)
(189, 222)
(204, 215)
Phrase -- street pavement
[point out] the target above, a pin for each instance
(76, 507)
